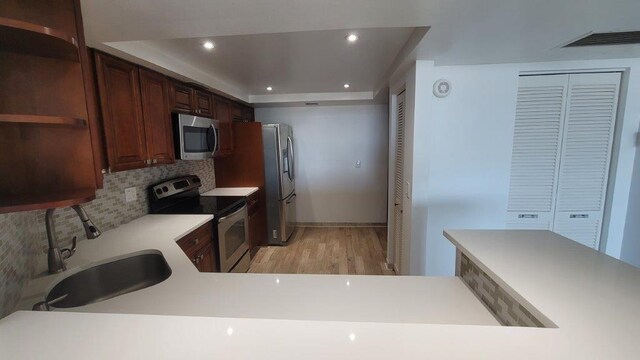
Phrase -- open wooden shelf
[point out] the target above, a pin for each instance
(45, 201)
(43, 120)
(23, 37)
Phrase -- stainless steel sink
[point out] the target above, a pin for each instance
(107, 280)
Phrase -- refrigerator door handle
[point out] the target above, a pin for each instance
(291, 198)
(291, 158)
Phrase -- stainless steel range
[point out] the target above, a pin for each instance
(230, 217)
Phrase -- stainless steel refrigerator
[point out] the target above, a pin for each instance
(280, 174)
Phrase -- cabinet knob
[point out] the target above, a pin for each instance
(196, 241)
(155, 161)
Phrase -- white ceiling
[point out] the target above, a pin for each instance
(299, 62)
(298, 46)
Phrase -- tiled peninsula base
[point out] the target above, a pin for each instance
(505, 308)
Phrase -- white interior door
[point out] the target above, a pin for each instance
(399, 184)
(536, 151)
(592, 104)
(561, 153)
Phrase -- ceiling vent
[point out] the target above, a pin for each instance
(610, 38)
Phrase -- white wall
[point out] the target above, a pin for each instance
(631, 244)
(328, 141)
(462, 154)
(461, 159)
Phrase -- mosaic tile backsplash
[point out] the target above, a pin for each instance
(23, 238)
(503, 306)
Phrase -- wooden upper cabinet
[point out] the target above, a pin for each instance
(119, 93)
(157, 118)
(181, 98)
(46, 144)
(248, 114)
(185, 99)
(236, 112)
(203, 102)
(223, 114)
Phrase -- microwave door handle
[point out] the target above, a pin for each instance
(215, 140)
(217, 133)
(208, 143)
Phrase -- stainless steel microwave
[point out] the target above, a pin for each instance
(196, 138)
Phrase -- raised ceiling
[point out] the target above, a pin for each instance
(163, 32)
(298, 62)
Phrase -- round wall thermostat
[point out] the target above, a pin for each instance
(441, 88)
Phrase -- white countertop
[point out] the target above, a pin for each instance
(592, 298)
(231, 191)
(292, 297)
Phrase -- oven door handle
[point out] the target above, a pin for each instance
(234, 214)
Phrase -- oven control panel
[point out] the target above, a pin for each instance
(176, 186)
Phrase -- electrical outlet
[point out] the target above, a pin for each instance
(358, 164)
(130, 194)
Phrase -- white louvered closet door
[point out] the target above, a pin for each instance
(592, 104)
(536, 151)
(399, 188)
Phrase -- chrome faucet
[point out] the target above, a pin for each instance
(57, 256)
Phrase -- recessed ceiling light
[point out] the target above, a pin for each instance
(352, 38)
(346, 86)
(269, 88)
(208, 45)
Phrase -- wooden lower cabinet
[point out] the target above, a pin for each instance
(205, 260)
(199, 246)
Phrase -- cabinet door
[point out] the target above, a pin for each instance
(181, 98)
(119, 89)
(247, 114)
(205, 260)
(236, 112)
(157, 119)
(203, 103)
(223, 114)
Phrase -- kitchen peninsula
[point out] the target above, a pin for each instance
(582, 302)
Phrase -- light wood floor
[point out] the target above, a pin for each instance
(327, 250)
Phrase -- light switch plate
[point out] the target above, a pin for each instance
(130, 194)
